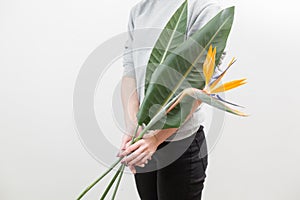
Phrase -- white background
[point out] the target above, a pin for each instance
(42, 47)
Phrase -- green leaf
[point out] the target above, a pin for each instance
(181, 69)
(171, 36)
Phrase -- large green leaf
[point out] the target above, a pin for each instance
(181, 69)
(171, 36)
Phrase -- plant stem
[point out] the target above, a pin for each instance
(111, 183)
(118, 182)
(135, 132)
(157, 117)
(96, 181)
(107, 171)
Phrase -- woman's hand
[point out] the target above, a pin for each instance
(141, 152)
(126, 139)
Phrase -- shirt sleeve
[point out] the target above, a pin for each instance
(128, 65)
(202, 12)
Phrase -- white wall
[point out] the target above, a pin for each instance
(43, 45)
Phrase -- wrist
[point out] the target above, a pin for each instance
(157, 141)
(163, 134)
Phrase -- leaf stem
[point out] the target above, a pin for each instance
(118, 182)
(157, 117)
(111, 183)
(135, 132)
(97, 180)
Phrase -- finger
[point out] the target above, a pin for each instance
(132, 169)
(133, 155)
(142, 165)
(127, 145)
(131, 148)
(145, 159)
(122, 146)
(128, 158)
(137, 159)
(123, 143)
(126, 138)
(119, 153)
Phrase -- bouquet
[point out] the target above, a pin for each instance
(180, 71)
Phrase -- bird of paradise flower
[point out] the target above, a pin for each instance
(212, 87)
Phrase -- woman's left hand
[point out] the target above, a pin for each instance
(141, 152)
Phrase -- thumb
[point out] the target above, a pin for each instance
(127, 145)
(122, 148)
(123, 145)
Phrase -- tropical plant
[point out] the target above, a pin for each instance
(180, 69)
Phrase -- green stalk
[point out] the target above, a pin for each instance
(105, 173)
(118, 182)
(111, 183)
(157, 117)
(135, 132)
(97, 180)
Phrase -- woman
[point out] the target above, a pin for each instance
(168, 164)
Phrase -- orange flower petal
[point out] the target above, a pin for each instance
(228, 86)
(213, 85)
(208, 65)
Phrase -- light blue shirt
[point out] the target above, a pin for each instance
(146, 21)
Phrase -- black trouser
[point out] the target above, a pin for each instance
(175, 176)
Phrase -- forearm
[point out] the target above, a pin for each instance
(163, 134)
(130, 103)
